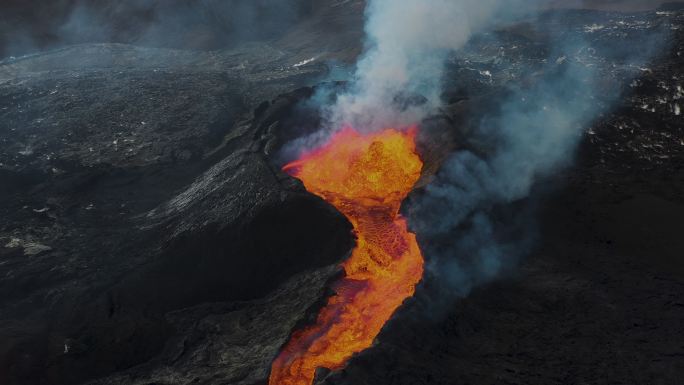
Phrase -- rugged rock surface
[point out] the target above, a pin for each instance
(146, 235)
(133, 188)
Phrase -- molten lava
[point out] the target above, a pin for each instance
(365, 177)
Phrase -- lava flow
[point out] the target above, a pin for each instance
(365, 177)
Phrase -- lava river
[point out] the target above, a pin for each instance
(366, 177)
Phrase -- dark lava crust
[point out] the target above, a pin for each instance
(142, 220)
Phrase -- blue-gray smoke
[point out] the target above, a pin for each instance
(407, 44)
(533, 133)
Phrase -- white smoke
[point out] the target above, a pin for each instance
(533, 132)
(407, 45)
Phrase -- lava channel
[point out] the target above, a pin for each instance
(366, 177)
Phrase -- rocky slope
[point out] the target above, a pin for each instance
(133, 188)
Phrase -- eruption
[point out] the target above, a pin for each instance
(366, 177)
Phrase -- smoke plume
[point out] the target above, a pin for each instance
(531, 134)
(407, 45)
(534, 133)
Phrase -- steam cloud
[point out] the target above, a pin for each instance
(408, 43)
(535, 132)
(406, 56)
(532, 133)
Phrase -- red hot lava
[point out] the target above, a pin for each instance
(366, 177)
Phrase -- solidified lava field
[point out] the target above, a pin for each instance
(149, 234)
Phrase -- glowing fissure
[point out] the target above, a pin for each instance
(365, 177)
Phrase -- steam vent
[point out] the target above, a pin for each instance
(341, 192)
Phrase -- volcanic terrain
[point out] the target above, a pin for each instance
(149, 235)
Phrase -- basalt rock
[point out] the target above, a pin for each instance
(139, 204)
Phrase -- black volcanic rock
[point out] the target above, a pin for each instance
(134, 188)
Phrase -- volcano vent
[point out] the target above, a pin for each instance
(366, 177)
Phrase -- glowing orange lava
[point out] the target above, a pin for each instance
(366, 177)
